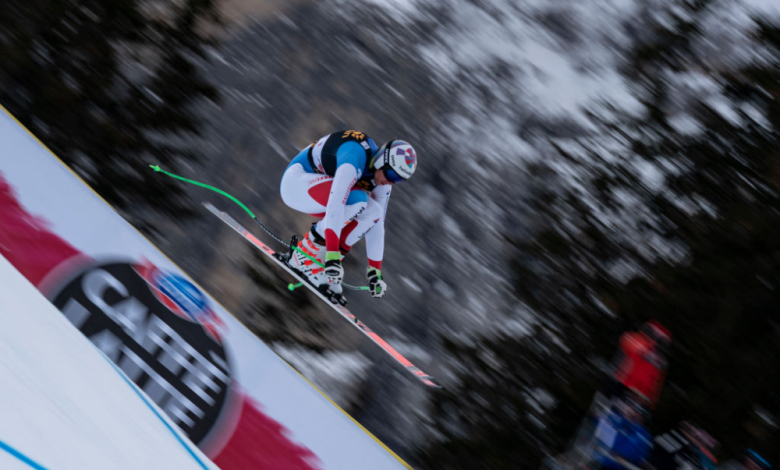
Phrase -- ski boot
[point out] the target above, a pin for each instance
(338, 289)
(338, 295)
(313, 245)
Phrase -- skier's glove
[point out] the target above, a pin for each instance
(376, 285)
(334, 270)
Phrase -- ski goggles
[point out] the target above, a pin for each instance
(391, 175)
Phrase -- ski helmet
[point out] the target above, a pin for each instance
(397, 159)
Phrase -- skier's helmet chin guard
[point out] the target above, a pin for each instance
(397, 159)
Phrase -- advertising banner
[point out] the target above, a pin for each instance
(233, 397)
(73, 411)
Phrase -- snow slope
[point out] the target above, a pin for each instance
(64, 406)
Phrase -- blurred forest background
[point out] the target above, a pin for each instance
(584, 167)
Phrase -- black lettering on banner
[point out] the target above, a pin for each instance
(168, 351)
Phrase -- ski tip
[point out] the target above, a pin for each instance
(155, 167)
(433, 384)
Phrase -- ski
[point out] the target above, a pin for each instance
(341, 309)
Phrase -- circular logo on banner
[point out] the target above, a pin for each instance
(159, 329)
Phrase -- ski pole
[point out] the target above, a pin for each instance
(246, 209)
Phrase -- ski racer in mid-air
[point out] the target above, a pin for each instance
(345, 180)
